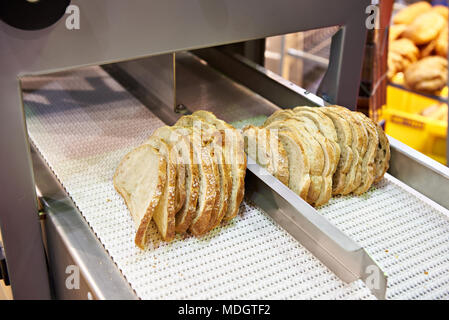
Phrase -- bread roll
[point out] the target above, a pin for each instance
(425, 28)
(409, 13)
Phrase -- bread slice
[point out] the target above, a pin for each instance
(359, 144)
(344, 139)
(298, 163)
(180, 191)
(316, 160)
(368, 164)
(279, 115)
(213, 139)
(313, 152)
(325, 125)
(140, 179)
(279, 158)
(362, 139)
(329, 158)
(234, 155)
(316, 124)
(181, 141)
(267, 151)
(223, 177)
(382, 160)
(164, 214)
(179, 163)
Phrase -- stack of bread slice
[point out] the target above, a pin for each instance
(320, 152)
(187, 178)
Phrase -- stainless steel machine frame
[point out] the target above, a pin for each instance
(111, 37)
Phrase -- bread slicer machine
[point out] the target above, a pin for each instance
(73, 102)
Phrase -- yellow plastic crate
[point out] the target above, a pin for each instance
(404, 122)
(403, 100)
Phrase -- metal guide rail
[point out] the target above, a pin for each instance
(83, 122)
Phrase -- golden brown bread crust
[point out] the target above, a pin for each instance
(359, 146)
(241, 169)
(164, 215)
(395, 31)
(382, 160)
(279, 158)
(344, 138)
(208, 186)
(234, 149)
(216, 172)
(368, 164)
(425, 27)
(401, 54)
(428, 75)
(409, 13)
(225, 179)
(181, 140)
(302, 186)
(185, 216)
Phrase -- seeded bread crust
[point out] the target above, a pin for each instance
(209, 178)
(235, 155)
(223, 173)
(180, 190)
(368, 164)
(213, 138)
(344, 139)
(164, 214)
(359, 146)
(323, 131)
(154, 194)
(382, 160)
(181, 140)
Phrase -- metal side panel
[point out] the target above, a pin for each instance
(79, 266)
(422, 173)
